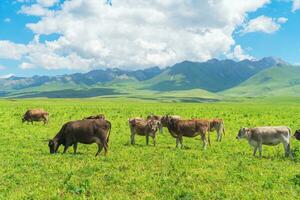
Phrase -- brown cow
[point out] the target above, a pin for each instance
(218, 126)
(100, 116)
(188, 128)
(143, 127)
(36, 115)
(297, 134)
(82, 131)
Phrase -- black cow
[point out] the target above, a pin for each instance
(82, 131)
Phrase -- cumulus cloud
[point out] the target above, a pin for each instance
(264, 24)
(35, 10)
(10, 50)
(132, 33)
(296, 5)
(239, 54)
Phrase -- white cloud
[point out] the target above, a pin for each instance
(9, 50)
(133, 33)
(264, 24)
(2, 67)
(282, 20)
(35, 10)
(296, 5)
(7, 75)
(47, 3)
(239, 54)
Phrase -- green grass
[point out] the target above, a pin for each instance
(226, 170)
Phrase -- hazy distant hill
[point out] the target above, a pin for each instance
(275, 81)
(212, 76)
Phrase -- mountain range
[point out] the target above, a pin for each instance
(199, 80)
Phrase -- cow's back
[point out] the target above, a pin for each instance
(269, 133)
(85, 131)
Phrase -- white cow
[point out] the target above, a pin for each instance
(268, 135)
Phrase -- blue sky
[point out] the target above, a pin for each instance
(49, 37)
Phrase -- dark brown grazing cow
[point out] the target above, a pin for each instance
(143, 127)
(35, 115)
(100, 116)
(82, 131)
(297, 134)
(188, 128)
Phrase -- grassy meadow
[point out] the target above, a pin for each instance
(226, 170)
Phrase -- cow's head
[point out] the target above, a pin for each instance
(297, 134)
(52, 146)
(154, 125)
(243, 133)
(164, 120)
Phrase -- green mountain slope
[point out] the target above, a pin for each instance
(213, 75)
(276, 81)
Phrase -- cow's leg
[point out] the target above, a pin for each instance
(147, 139)
(56, 148)
(260, 149)
(287, 149)
(154, 140)
(75, 147)
(132, 141)
(219, 133)
(100, 147)
(180, 141)
(254, 150)
(208, 136)
(203, 138)
(66, 147)
(105, 146)
(177, 142)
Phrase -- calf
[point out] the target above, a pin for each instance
(143, 127)
(218, 126)
(82, 131)
(188, 128)
(35, 115)
(268, 135)
(297, 134)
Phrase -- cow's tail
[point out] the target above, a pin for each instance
(290, 132)
(109, 130)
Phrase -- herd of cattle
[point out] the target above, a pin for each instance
(96, 129)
